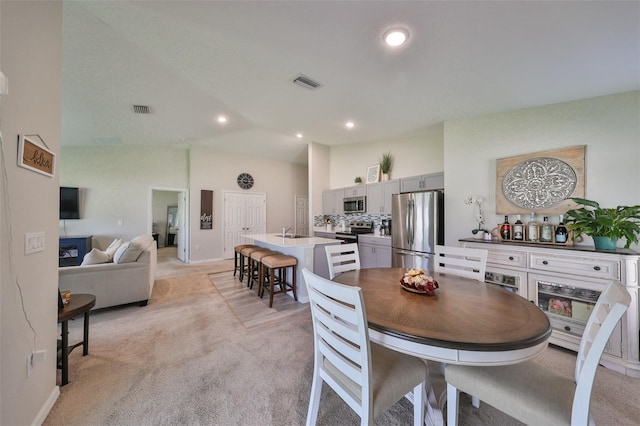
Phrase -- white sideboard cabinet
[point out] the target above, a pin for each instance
(565, 282)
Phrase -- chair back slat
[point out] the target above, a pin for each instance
(609, 309)
(342, 258)
(461, 261)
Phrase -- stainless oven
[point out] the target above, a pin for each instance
(355, 204)
(347, 237)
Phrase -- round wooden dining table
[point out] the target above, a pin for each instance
(465, 322)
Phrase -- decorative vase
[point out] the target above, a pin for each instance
(605, 243)
(385, 177)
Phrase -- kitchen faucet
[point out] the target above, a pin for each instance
(285, 230)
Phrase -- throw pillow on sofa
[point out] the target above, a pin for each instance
(113, 247)
(95, 256)
(131, 251)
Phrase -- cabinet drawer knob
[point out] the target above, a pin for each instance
(567, 328)
(510, 257)
(596, 268)
(544, 262)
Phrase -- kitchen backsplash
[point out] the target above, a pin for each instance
(321, 219)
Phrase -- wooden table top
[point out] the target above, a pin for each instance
(78, 304)
(464, 314)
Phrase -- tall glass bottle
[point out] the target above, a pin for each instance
(546, 231)
(505, 229)
(518, 229)
(561, 232)
(532, 228)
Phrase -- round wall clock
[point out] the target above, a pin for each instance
(245, 181)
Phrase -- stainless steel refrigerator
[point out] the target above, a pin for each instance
(418, 226)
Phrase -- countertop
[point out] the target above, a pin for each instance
(337, 229)
(277, 240)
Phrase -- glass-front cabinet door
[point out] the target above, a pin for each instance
(508, 279)
(568, 304)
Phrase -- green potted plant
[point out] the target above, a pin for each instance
(358, 180)
(605, 225)
(385, 165)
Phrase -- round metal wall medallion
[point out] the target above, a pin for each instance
(539, 183)
(245, 180)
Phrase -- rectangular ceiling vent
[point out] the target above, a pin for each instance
(306, 82)
(142, 109)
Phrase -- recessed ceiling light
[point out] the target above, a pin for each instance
(396, 37)
(350, 124)
(222, 119)
(299, 135)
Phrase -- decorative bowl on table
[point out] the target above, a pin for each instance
(417, 281)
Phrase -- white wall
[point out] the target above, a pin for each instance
(609, 126)
(319, 163)
(419, 154)
(115, 184)
(31, 53)
(217, 171)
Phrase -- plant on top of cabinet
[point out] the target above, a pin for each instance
(357, 180)
(386, 162)
(605, 225)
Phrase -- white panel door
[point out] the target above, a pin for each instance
(244, 213)
(302, 215)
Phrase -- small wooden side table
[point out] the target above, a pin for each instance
(79, 303)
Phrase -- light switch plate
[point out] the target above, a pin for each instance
(33, 242)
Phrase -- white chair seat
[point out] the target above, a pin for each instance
(392, 375)
(534, 394)
(523, 391)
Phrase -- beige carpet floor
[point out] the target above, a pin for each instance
(207, 351)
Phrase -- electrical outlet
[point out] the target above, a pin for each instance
(35, 358)
(33, 242)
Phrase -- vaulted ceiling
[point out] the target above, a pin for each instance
(191, 61)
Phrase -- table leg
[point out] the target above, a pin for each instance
(435, 393)
(85, 342)
(64, 353)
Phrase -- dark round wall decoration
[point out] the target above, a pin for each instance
(245, 181)
(539, 183)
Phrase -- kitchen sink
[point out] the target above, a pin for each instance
(292, 236)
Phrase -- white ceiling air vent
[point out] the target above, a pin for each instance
(306, 82)
(141, 109)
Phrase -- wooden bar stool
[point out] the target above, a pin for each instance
(245, 254)
(280, 263)
(238, 259)
(256, 272)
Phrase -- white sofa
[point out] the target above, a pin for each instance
(113, 283)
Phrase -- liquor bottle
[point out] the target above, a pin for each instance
(505, 229)
(546, 234)
(532, 228)
(561, 232)
(518, 233)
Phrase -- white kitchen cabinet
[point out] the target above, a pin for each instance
(565, 283)
(379, 196)
(355, 191)
(422, 183)
(375, 252)
(332, 201)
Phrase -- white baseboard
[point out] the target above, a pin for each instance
(193, 262)
(47, 406)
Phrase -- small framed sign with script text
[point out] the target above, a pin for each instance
(34, 156)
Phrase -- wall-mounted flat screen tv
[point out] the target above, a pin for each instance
(69, 203)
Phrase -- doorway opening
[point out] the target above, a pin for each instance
(168, 222)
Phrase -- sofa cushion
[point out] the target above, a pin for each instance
(95, 256)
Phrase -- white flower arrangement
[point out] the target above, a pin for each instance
(473, 200)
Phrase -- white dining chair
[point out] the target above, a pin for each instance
(461, 261)
(368, 377)
(342, 258)
(533, 393)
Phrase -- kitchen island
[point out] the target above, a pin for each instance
(308, 250)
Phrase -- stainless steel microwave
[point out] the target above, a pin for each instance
(355, 204)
